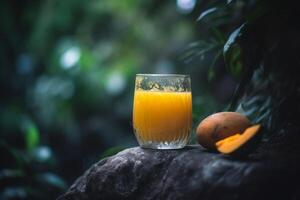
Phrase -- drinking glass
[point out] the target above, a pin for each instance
(162, 110)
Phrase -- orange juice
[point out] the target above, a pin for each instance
(160, 116)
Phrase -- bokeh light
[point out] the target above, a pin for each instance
(70, 57)
(186, 6)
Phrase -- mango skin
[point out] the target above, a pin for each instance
(219, 126)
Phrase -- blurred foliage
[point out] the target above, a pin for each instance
(266, 46)
(67, 77)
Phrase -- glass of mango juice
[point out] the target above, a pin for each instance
(162, 110)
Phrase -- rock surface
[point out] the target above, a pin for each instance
(191, 173)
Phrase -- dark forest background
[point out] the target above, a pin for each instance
(67, 71)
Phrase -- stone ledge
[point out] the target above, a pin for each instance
(190, 173)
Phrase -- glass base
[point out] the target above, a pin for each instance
(163, 145)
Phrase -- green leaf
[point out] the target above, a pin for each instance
(199, 49)
(51, 180)
(14, 193)
(207, 12)
(111, 151)
(11, 173)
(32, 136)
(232, 52)
(211, 72)
(232, 39)
(220, 37)
(235, 64)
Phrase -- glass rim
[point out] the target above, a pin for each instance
(166, 75)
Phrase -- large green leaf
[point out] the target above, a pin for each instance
(232, 52)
